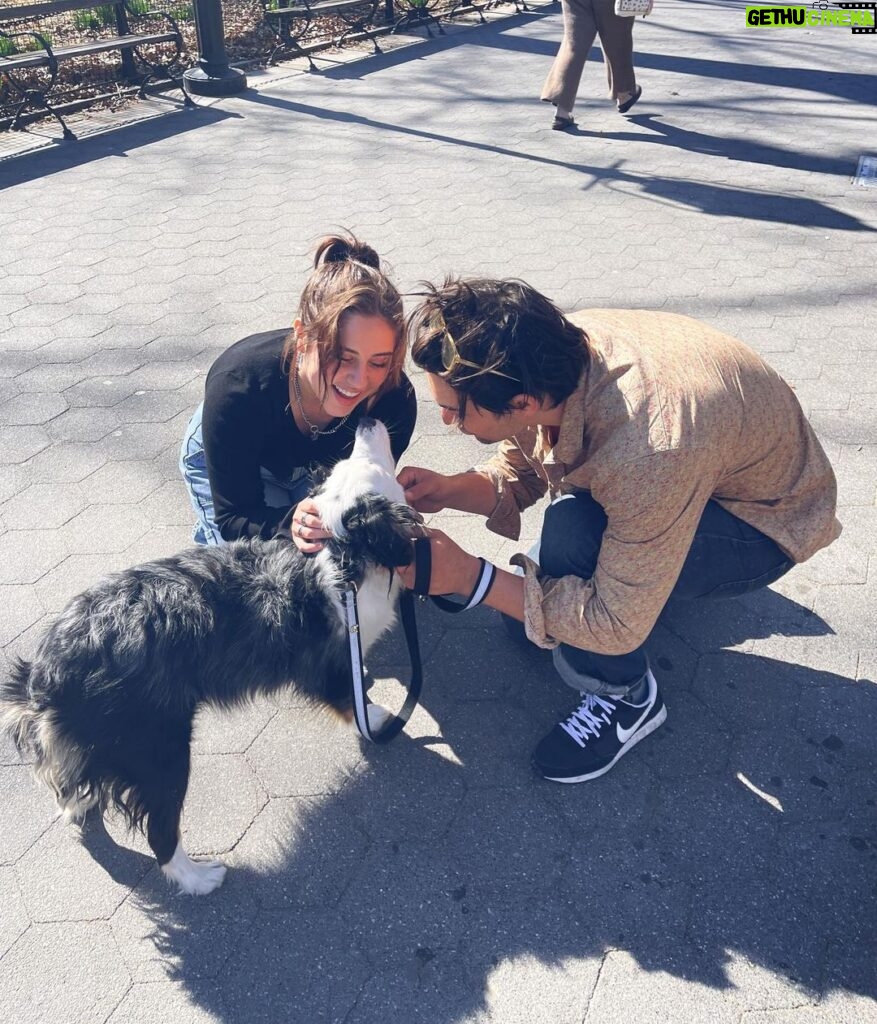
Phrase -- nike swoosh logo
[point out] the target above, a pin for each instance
(625, 734)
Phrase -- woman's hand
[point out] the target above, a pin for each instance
(306, 528)
(425, 490)
(454, 571)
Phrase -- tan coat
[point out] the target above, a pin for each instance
(669, 414)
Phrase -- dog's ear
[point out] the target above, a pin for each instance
(381, 530)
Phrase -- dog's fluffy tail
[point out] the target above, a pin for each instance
(18, 714)
(31, 725)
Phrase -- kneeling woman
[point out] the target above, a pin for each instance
(280, 403)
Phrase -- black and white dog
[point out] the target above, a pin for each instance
(106, 706)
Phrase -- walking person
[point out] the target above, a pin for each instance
(280, 403)
(680, 465)
(583, 21)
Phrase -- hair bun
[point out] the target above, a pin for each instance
(342, 248)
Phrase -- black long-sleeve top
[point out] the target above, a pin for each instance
(247, 424)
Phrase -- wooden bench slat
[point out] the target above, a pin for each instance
(31, 11)
(325, 7)
(40, 59)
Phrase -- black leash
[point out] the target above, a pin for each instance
(422, 576)
(361, 703)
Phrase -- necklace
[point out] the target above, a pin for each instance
(315, 431)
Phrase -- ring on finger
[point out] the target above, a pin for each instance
(300, 529)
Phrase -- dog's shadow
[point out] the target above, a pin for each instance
(735, 850)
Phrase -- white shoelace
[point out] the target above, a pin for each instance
(588, 718)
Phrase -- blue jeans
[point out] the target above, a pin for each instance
(193, 467)
(727, 558)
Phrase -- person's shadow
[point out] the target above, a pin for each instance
(735, 849)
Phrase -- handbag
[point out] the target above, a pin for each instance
(633, 8)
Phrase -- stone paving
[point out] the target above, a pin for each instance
(726, 871)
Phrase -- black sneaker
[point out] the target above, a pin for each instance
(596, 735)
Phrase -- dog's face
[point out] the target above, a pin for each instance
(369, 471)
(379, 531)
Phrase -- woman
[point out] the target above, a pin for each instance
(280, 403)
(583, 20)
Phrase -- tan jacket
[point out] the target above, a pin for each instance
(669, 414)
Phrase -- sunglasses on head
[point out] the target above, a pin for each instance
(451, 359)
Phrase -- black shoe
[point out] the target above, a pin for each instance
(599, 732)
(563, 124)
(624, 107)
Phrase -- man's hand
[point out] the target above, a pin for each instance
(425, 490)
(454, 571)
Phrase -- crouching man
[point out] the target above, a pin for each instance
(680, 466)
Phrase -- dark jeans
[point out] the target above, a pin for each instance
(727, 558)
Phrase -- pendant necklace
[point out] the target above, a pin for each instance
(315, 431)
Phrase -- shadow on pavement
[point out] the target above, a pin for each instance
(739, 840)
(718, 200)
(118, 142)
(856, 88)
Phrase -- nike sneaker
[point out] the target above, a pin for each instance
(599, 732)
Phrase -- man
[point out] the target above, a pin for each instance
(680, 466)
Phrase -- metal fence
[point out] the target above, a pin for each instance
(110, 78)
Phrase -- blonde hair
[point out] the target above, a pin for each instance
(347, 280)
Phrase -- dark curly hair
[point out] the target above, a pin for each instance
(519, 339)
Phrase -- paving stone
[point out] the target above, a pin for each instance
(302, 752)
(230, 732)
(158, 542)
(150, 1002)
(141, 440)
(45, 505)
(867, 670)
(283, 966)
(744, 690)
(283, 857)
(624, 992)
(151, 407)
(14, 920)
(849, 983)
(21, 609)
(30, 409)
(84, 987)
(105, 391)
(22, 443)
(73, 874)
(104, 529)
(117, 483)
(168, 505)
(842, 719)
(693, 741)
(163, 935)
(65, 463)
(26, 811)
(219, 781)
(79, 425)
(75, 574)
(26, 555)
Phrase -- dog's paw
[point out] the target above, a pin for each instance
(194, 877)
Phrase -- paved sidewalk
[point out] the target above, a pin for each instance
(726, 871)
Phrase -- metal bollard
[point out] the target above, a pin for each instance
(212, 76)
